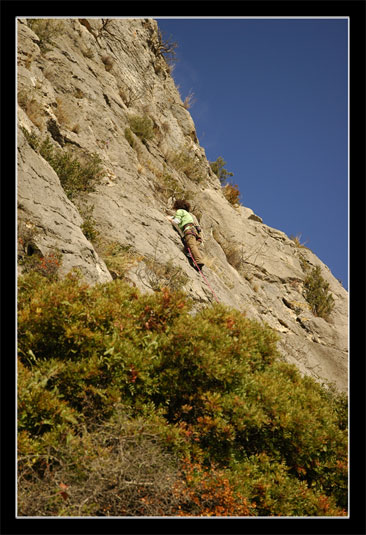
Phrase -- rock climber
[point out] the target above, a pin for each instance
(186, 224)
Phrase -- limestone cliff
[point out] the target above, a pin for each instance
(83, 83)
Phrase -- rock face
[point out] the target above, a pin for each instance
(82, 83)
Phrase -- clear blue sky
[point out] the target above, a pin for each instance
(271, 98)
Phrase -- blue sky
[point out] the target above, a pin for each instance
(271, 98)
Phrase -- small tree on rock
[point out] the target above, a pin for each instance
(219, 170)
(317, 295)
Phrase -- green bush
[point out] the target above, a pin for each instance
(272, 492)
(317, 295)
(31, 137)
(219, 170)
(186, 162)
(230, 190)
(75, 176)
(142, 127)
(89, 223)
(210, 383)
(39, 409)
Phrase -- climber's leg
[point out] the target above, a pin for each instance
(193, 245)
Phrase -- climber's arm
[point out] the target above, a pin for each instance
(173, 220)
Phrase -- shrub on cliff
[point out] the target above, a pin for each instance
(75, 176)
(46, 30)
(186, 162)
(248, 435)
(142, 127)
(218, 168)
(317, 295)
(231, 191)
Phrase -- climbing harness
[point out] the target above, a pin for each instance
(193, 230)
(204, 278)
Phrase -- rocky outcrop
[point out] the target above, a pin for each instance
(81, 82)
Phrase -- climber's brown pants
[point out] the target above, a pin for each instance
(193, 245)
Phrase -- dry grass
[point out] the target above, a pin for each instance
(189, 100)
(297, 241)
(88, 52)
(234, 255)
(165, 127)
(32, 107)
(117, 257)
(63, 112)
(234, 252)
(160, 275)
(166, 184)
(186, 162)
(232, 194)
(108, 62)
(119, 469)
(79, 93)
(46, 30)
(66, 112)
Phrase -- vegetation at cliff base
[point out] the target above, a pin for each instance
(134, 405)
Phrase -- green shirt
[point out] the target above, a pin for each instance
(182, 217)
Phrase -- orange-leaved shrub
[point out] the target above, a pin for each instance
(245, 433)
(209, 492)
(232, 193)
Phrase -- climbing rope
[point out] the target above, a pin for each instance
(204, 278)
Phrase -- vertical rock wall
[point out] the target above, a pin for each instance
(81, 83)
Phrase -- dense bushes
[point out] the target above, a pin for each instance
(234, 430)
